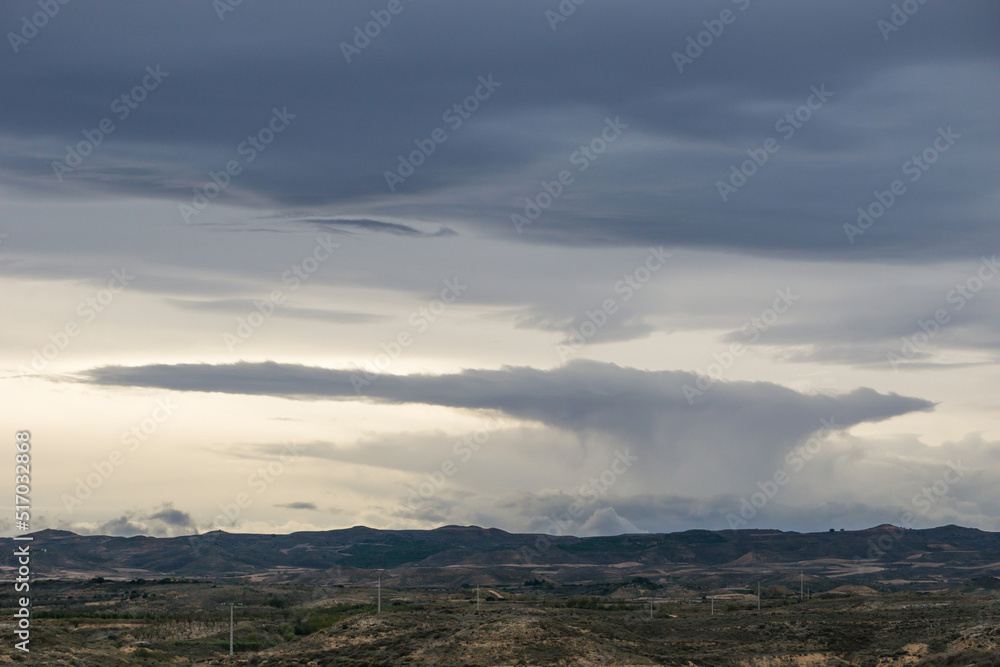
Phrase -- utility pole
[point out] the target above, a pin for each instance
(379, 610)
(800, 585)
(477, 598)
(651, 609)
(758, 595)
(231, 605)
(713, 606)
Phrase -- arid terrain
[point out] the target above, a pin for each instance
(676, 599)
(136, 623)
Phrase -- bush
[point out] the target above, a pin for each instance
(324, 618)
(989, 583)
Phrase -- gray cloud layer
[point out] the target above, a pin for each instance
(580, 394)
(748, 425)
(657, 185)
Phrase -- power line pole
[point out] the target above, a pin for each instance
(801, 584)
(758, 595)
(477, 598)
(231, 605)
(379, 610)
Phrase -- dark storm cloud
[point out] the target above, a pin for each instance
(163, 522)
(172, 517)
(749, 425)
(121, 527)
(575, 395)
(851, 483)
(656, 184)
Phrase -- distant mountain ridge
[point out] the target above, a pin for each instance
(426, 557)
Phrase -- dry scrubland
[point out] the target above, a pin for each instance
(98, 623)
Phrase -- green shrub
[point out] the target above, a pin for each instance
(323, 618)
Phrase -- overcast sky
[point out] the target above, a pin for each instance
(595, 268)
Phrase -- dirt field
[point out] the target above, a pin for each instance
(129, 623)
